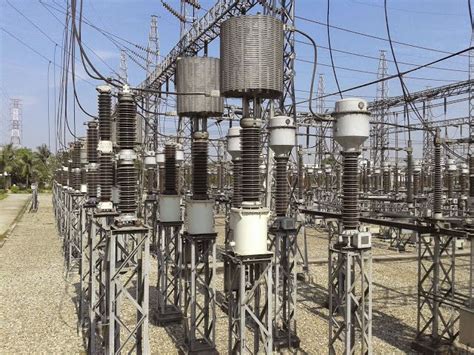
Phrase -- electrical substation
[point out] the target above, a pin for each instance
(206, 210)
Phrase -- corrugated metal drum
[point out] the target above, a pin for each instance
(252, 57)
(198, 75)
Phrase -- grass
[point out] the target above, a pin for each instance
(3, 195)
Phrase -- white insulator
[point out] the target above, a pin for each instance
(160, 159)
(169, 208)
(200, 216)
(282, 135)
(452, 165)
(179, 153)
(249, 230)
(150, 159)
(233, 142)
(352, 126)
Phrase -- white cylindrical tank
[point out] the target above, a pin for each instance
(200, 216)
(352, 125)
(282, 134)
(452, 165)
(169, 208)
(150, 159)
(233, 142)
(249, 230)
(179, 153)
(160, 159)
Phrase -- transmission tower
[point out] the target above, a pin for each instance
(152, 101)
(380, 136)
(427, 133)
(188, 9)
(288, 101)
(471, 89)
(15, 122)
(123, 70)
(320, 102)
(321, 91)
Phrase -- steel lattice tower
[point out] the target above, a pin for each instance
(123, 70)
(152, 102)
(288, 101)
(15, 122)
(427, 133)
(471, 88)
(380, 137)
(320, 103)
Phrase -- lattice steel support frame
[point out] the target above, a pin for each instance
(84, 271)
(169, 252)
(437, 314)
(350, 301)
(73, 236)
(127, 266)
(98, 232)
(249, 291)
(150, 210)
(285, 248)
(199, 312)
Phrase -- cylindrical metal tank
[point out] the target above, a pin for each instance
(282, 135)
(351, 127)
(252, 57)
(199, 75)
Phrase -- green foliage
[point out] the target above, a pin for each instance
(24, 167)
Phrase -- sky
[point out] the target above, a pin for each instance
(31, 37)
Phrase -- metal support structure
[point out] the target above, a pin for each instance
(152, 101)
(380, 132)
(84, 270)
(169, 255)
(16, 122)
(98, 231)
(123, 69)
(199, 35)
(127, 266)
(471, 91)
(73, 236)
(427, 134)
(350, 300)
(436, 93)
(285, 249)
(150, 210)
(248, 287)
(288, 101)
(199, 312)
(437, 313)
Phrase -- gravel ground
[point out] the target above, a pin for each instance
(37, 312)
(40, 303)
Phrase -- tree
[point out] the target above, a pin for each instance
(7, 162)
(43, 153)
(25, 164)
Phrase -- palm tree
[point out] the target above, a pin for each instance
(7, 161)
(25, 164)
(43, 153)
